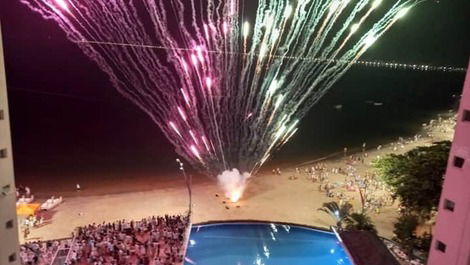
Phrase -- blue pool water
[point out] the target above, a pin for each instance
(263, 244)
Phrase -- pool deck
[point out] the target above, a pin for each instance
(187, 235)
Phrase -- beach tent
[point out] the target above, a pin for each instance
(27, 209)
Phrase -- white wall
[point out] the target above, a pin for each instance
(8, 236)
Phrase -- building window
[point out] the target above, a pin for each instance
(2, 114)
(458, 162)
(3, 153)
(12, 257)
(440, 246)
(5, 190)
(9, 224)
(466, 115)
(449, 205)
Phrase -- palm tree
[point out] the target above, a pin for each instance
(360, 221)
(337, 212)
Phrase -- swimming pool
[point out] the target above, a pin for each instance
(263, 244)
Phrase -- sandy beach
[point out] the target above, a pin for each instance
(268, 196)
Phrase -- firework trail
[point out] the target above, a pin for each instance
(225, 91)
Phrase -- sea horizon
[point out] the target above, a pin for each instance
(61, 141)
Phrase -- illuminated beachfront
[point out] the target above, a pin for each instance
(225, 100)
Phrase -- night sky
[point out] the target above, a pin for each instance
(68, 121)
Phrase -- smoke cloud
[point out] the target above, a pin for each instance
(233, 183)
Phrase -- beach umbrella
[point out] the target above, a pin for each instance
(27, 209)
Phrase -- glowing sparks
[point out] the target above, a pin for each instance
(402, 12)
(62, 4)
(334, 5)
(376, 4)
(233, 7)
(186, 99)
(369, 40)
(235, 196)
(209, 82)
(204, 140)
(200, 56)
(195, 152)
(280, 132)
(206, 31)
(278, 101)
(182, 114)
(273, 87)
(246, 29)
(194, 59)
(269, 22)
(275, 35)
(227, 93)
(173, 126)
(185, 66)
(264, 159)
(288, 11)
(263, 50)
(354, 28)
(194, 137)
(293, 125)
(225, 27)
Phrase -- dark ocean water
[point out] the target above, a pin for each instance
(64, 140)
(408, 100)
(69, 125)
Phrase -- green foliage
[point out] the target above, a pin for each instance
(345, 219)
(424, 242)
(405, 227)
(337, 212)
(360, 221)
(405, 232)
(405, 235)
(416, 177)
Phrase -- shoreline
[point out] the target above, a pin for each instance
(267, 197)
(109, 179)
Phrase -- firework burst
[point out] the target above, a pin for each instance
(227, 86)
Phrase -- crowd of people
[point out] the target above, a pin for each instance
(41, 252)
(160, 240)
(154, 240)
(35, 217)
(23, 195)
(400, 255)
(350, 176)
(373, 193)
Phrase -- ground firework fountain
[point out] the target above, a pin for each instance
(227, 86)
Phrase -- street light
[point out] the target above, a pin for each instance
(188, 184)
